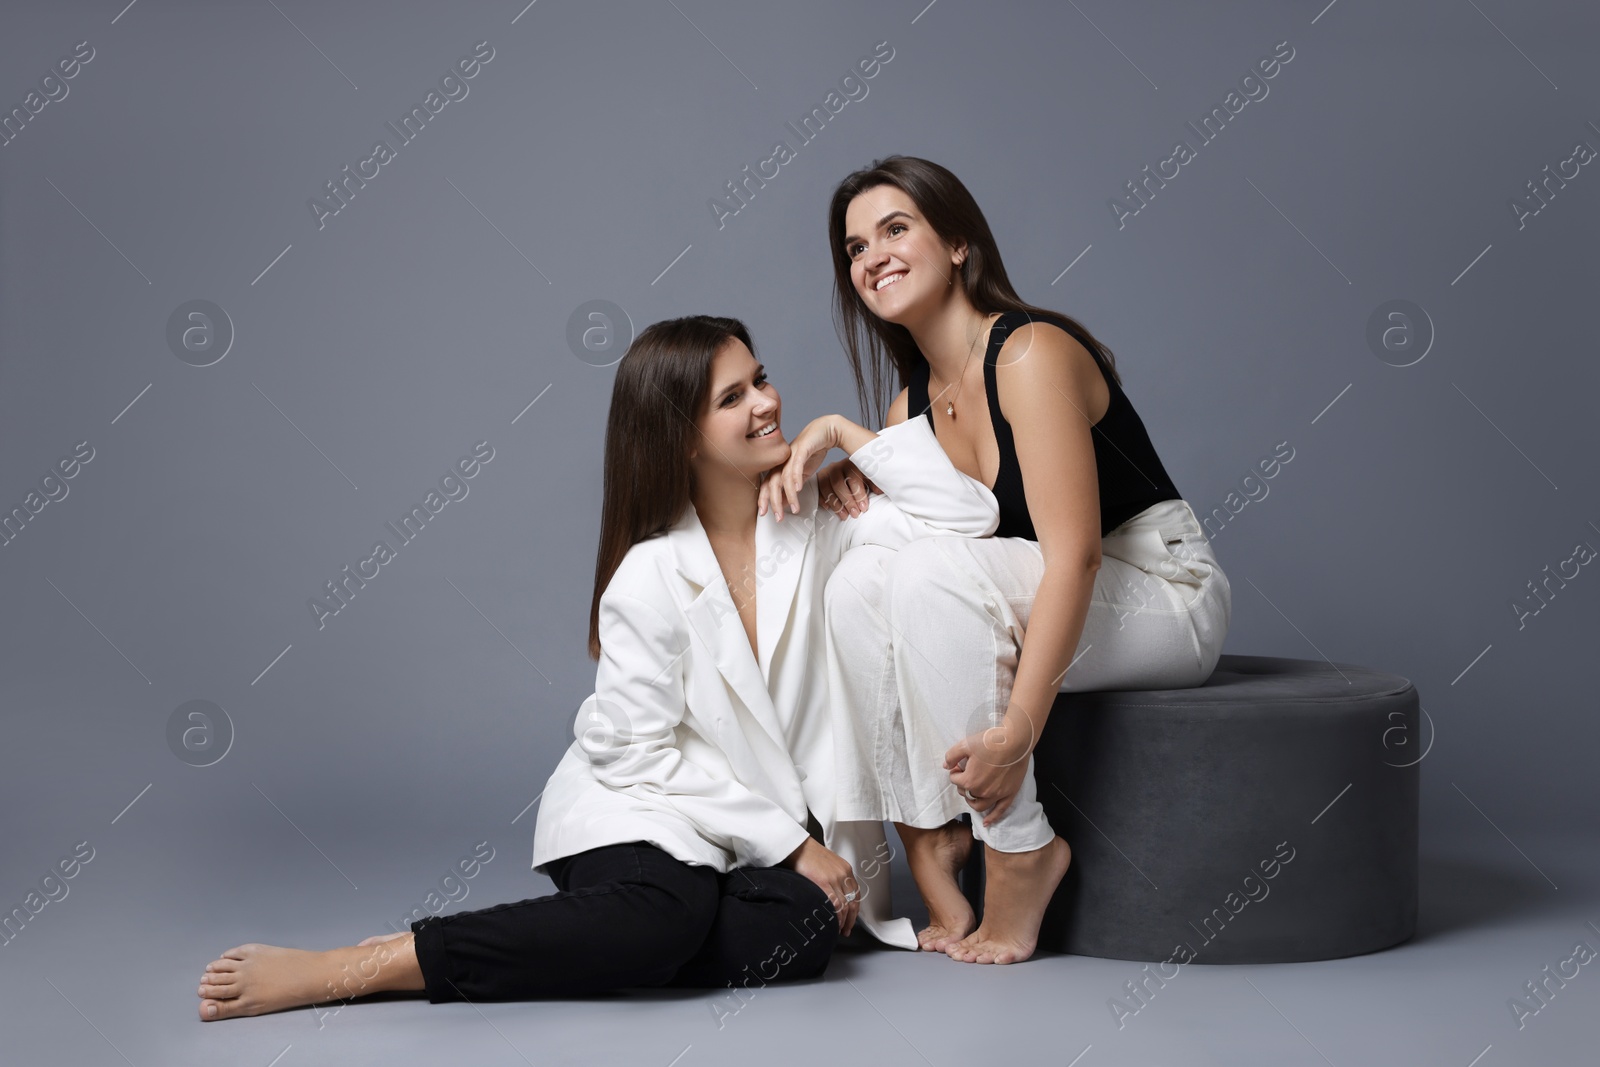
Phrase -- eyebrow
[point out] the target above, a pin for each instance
(851, 238)
(761, 369)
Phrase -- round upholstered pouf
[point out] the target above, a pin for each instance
(1268, 816)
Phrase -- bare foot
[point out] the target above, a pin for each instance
(936, 857)
(255, 979)
(1017, 887)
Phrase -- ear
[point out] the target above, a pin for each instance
(958, 252)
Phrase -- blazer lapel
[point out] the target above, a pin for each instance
(780, 557)
(716, 622)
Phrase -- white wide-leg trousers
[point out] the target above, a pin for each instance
(923, 644)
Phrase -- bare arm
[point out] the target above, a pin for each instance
(1044, 379)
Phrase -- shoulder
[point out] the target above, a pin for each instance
(643, 578)
(1039, 358)
(899, 408)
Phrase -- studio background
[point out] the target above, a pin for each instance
(370, 349)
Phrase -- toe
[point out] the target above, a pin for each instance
(211, 1010)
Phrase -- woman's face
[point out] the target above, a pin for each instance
(897, 262)
(740, 424)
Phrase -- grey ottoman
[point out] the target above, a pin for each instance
(1268, 816)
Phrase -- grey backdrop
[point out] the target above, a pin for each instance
(368, 351)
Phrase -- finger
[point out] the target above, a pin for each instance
(854, 905)
(778, 489)
(955, 754)
(849, 890)
(997, 808)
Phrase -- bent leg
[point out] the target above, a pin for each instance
(874, 778)
(864, 708)
(626, 915)
(772, 925)
(958, 607)
(962, 604)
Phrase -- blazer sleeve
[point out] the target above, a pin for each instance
(926, 493)
(628, 731)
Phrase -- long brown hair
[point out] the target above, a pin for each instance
(878, 348)
(661, 385)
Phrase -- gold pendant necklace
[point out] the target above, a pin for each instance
(950, 405)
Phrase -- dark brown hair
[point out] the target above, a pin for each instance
(878, 348)
(662, 383)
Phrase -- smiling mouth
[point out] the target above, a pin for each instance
(888, 280)
(766, 431)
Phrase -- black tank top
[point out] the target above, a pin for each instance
(1130, 473)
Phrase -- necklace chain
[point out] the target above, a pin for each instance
(972, 346)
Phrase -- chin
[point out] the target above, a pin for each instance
(894, 315)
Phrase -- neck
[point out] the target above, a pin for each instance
(950, 336)
(725, 500)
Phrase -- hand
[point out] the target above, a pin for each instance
(989, 767)
(770, 496)
(832, 874)
(844, 490)
(780, 486)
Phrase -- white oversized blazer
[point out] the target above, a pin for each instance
(711, 753)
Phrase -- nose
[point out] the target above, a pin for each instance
(764, 404)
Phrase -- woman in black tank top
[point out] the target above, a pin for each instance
(1129, 474)
(1097, 555)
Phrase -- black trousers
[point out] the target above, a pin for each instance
(628, 916)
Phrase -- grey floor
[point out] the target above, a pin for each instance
(107, 976)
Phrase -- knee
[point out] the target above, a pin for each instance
(814, 947)
(926, 577)
(803, 927)
(817, 931)
(859, 581)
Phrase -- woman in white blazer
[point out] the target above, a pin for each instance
(682, 825)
